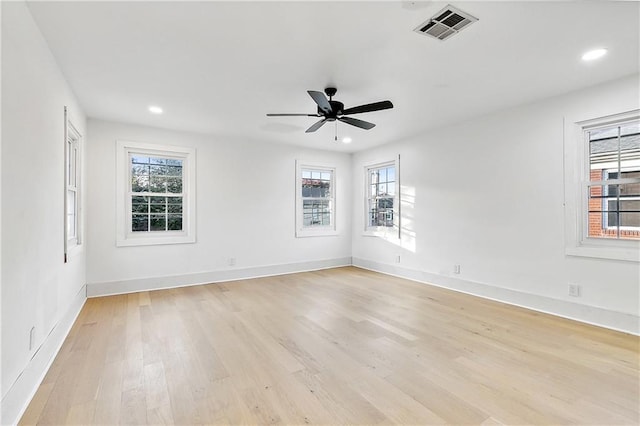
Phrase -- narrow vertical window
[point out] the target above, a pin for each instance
(315, 200)
(72, 187)
(381, 204)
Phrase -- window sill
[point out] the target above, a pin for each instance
(154, 240)
(304, 233)
(628, 254)
(391, 232)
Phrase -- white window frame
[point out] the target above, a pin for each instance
(125, 237)
(314, 231)
(72, 185)
(383, 231)
(577, 183)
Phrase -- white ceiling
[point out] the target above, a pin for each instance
(219, 67)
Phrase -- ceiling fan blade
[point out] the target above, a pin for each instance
(294, 115)
(321, 100)
(316, 126)
(358, 123)
(376, 106)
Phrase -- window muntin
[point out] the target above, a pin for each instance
(381, 196)
(613, 193)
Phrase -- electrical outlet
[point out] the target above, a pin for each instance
(232, 261)
(456, 269)
(574, 290)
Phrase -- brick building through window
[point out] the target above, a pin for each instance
(614, 187)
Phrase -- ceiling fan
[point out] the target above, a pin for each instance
(331, 110)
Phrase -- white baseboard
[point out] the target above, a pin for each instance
(601, 317)
(18, 397)
(158, 283)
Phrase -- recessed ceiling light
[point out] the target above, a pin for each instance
(346, 140)
(155, 109)
(594, 54)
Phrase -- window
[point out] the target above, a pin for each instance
(614, 181)
(315, 200)
(382, 213)
(602, 186)
(156, 193)
(72, 187)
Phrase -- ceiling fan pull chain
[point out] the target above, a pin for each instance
(336, 137)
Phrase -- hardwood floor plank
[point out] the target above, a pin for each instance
(337, 346)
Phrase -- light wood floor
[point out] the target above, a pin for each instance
(333, 347)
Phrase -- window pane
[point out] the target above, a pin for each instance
(630, 221)
(71, 214)
(158, 223)
(614, 211)
(391, 174)
(139, 159)
(382, 175)
(155, 160)
(139, 207)
(173, 171)
(382, 189)
(306, 174)
(139, 170)
(174, 185)
(158, 184)
(606, 149)
(316, 213)
(140, 184)
(629, 190)
(158, 170)
(603, 154)
(325, 176)
(391, 188)
(373, 176)
(381, 212)
(174, 162)
(604, 133)
(158, 208)
(174, 205)
(174, 222)
(316, 188)
(632, 128)
(139, 222)
(630, 152)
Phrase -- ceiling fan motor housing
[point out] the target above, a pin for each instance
(336, 110)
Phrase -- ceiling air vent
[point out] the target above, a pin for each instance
(446, 23)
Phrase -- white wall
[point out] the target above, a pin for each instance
(38, 289)
(245, 210)
(488, 195)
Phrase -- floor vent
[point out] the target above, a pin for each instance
(446, 23)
